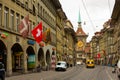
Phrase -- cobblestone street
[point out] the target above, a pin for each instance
(49, 75)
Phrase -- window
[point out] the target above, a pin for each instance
(6, 17)
(33, 10)
(0, 14)
(12, 20)
(17, 21)
(38, 8)
(41, 10)
(43, 13)
(32, 26)
(26, 4)
(44, 28)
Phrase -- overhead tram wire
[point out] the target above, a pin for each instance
(109, 6)
(88, 15)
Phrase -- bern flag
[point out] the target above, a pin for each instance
(24, 26)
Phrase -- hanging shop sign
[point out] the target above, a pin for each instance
(31, 42)
(41, 44)
(53, 48)
(53, 61)
(3, 35)
(18, 53)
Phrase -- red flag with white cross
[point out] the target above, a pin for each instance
(98, 55)
(37, 32)
(24, 26)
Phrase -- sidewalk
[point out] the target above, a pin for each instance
(38, 75)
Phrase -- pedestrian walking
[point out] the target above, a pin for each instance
(118, 69)
(115, 67)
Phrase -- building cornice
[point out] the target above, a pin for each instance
(116, 11)
(57, 4)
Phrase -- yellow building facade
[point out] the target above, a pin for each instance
(23, 54)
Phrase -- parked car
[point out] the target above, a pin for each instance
(61, 66)
(79, 63)
(2, 71)
(90, 63)
(118, 69)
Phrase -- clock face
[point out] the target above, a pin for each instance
(80, 44)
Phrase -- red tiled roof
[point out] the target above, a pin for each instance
(80, 32)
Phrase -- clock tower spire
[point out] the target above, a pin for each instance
(81, 38)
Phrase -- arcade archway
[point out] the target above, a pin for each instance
(30, 58)
(17, 57)
(48, 60)
(3, 54)
(41, 57)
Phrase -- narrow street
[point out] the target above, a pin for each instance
(74, 73)
(38, 37)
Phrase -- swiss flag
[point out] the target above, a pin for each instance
(98, 55)
(37, 32)
(24, 26)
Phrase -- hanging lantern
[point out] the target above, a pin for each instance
(53, 48)
(3, 35)
(41, 44)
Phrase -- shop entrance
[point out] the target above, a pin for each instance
(17, 57)
(41, 57)
(30, 58)
(3, 54)
(48, 60)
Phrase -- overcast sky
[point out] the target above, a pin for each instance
(93, 13)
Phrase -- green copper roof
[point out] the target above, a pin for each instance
(79, 17)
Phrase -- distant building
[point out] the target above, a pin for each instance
(81, 42)
(115, 23)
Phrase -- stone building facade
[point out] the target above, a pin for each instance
(115, 23)
(24, 54)
(108, 39)
(81, 43)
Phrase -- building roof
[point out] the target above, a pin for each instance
(80, 31)
(116, 12)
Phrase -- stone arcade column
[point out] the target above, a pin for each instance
(24, 60)
(9, 61)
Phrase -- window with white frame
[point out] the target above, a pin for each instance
(6, 17)
(0, 14)
(12, 20)
(17, 21)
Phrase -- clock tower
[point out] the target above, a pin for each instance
(81, 42)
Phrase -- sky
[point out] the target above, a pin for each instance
(94, 13)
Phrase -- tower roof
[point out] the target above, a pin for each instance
(80, 30)
(79, 17)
